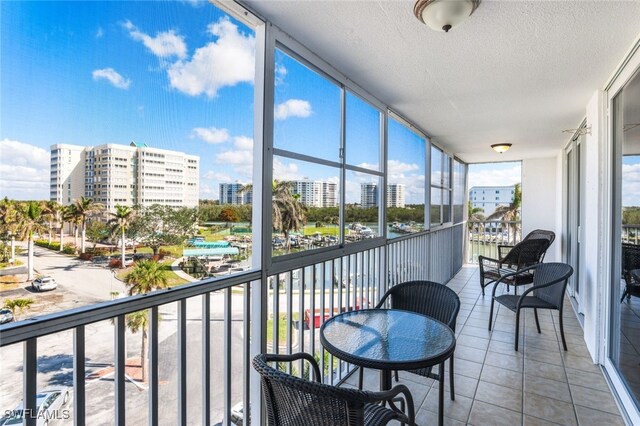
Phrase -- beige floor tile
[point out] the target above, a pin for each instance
(582, 363)
(534, 421)
(503, 347)
(510, 362)
(465, 386)
(501, 376)
(457, 410)
(501, 396)
(426, 417)
(590, 380)
(549, 409)
(466, 368)
(543, 355)
(594, 399)
(589, 417)
(483, 414)
(548, 371)
(469, 353)
(474, 342)
(546, 387)
(470, 330)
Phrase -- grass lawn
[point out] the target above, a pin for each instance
(214, 236)
(7, 264)
(324, 230)
(282, 327)
(172, 279)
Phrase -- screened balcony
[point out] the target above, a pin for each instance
(521, 72)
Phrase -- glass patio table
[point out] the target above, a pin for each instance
(388, 340)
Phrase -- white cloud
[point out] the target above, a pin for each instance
(240, 158)
(281, 73)
(24, 170)
(243, 142)
(285, 171)
(99, 32)
(227, 61)
(164, 45)
(483, 175)
(113, 77)
(211, 135)
(217, 176)
(292, 108)
(397, 168)
(631, 185)
(194, 3)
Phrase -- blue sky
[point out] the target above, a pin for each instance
(174, 75)
(495, 174)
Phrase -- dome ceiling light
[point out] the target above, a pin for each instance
(501, 147)
(443, 15)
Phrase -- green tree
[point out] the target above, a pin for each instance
(119, 222)
(17, 306)
(139, 321)
(50, 212)
(97, 231)
(156, 226)
(84, 208)
(30, 223)
(72, 217)
(289, 214)
(146, 276)
(9, 223)
(228, 214)
(509, 213)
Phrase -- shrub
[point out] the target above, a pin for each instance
(163, 253)
(115, 263)
(85, 256)
(69, 249)
(54, 246)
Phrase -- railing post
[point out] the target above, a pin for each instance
(78, 376)
(30, 384)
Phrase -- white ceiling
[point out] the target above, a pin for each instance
(515, 71)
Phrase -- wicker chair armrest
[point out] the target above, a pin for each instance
(384, 298)
(504, 248)
(535, 287)
(295, 357)
(390, 395)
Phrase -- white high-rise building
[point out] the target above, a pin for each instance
(489, 198)
(395, 195)
(132, 174)
(316, 193)
(232, 193)
(369, 195)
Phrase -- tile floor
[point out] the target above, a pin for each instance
(539, 385)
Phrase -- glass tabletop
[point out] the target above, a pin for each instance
(387, 339)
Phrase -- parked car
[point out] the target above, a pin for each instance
(5, 316)
(237, 414)
(44, 283)
(49, 404)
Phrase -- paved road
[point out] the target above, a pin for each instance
(80, 277)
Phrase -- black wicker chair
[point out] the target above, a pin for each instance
(630, 270)
(529, 251)
(293, 401)
(427, 298)
(549, 284)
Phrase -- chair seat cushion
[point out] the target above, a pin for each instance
(494, 274)
(376, 414)
(511, 300)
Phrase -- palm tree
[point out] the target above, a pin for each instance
(84, 208)
(510, 213)
(9, 222)
(70, 215)
(17, 306)
(139, 321)
(288, 213)
(30, 222)
(146, 276)
(120, 220)
(51, 212)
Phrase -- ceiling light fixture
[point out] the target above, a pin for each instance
(501, 147)
(443, 15)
